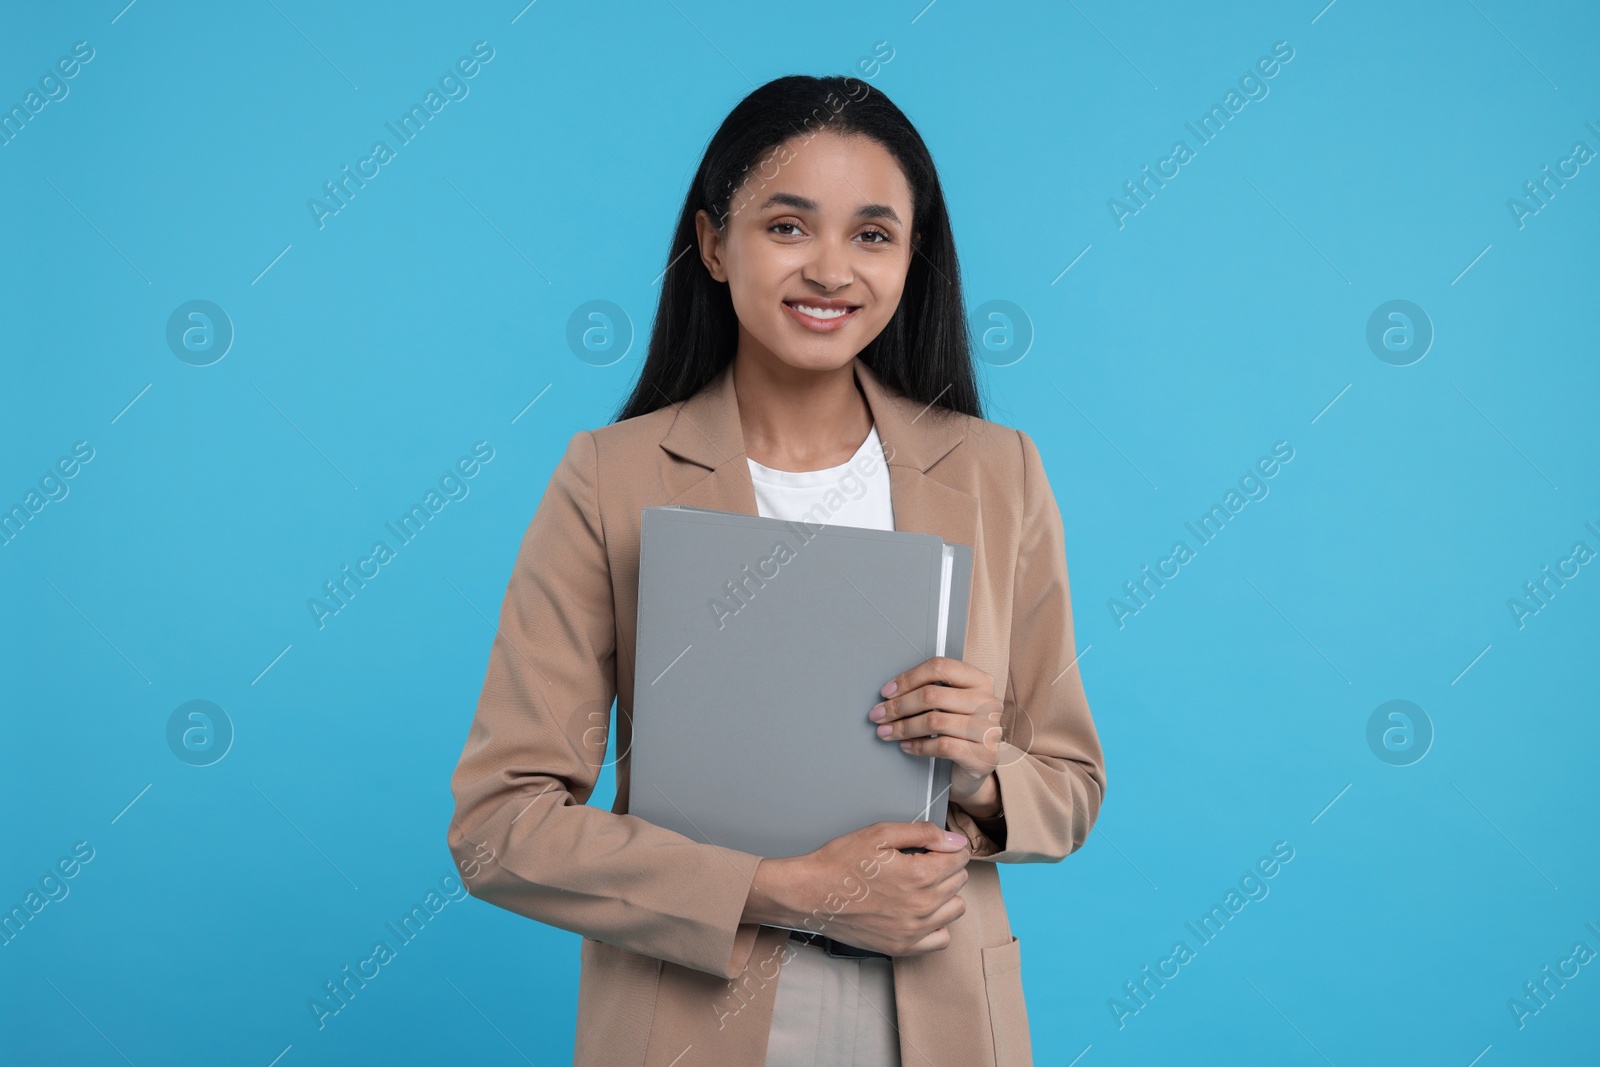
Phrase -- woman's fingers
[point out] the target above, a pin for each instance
(939, 936)
(934, 724)
(939, 696)
(930, 698)
(944, 708)
(942, 670)
(952, 883)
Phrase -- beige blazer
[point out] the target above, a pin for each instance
(669, 976)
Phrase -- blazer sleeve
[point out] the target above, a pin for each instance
(523, 834)
(1051, 772)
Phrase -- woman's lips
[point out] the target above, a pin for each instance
(820, 325)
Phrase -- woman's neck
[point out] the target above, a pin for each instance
(799, 420)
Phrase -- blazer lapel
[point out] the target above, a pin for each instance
(707, 432)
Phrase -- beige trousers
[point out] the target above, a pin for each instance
(831, 1012)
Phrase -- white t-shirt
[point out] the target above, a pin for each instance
(855, 493)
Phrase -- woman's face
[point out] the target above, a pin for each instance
(815, 249)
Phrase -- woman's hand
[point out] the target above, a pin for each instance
(945, 707)
(860, 888)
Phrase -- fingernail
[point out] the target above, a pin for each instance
(877, 713)
(885, 730)
(888, 691)
(955, 838)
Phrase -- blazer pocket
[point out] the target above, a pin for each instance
(1008, 1012)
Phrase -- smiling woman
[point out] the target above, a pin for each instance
(848, 211)
(820, 325)
(812, 275)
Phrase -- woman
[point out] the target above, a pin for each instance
(821, 319)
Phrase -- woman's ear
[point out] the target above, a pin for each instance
(710, 245)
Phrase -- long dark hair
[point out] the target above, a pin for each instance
(925, 350)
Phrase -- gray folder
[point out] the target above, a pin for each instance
(762, 644)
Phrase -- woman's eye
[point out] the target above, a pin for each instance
(792, 229)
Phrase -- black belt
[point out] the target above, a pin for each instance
(837, 949)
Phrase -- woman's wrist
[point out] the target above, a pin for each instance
(984, 804)
(775, 893)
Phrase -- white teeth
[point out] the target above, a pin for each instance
(820, 313)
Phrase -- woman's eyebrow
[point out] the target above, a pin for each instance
(803, 203)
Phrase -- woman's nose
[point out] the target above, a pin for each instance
(829, 266)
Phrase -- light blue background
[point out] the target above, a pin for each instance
(1226, 315)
